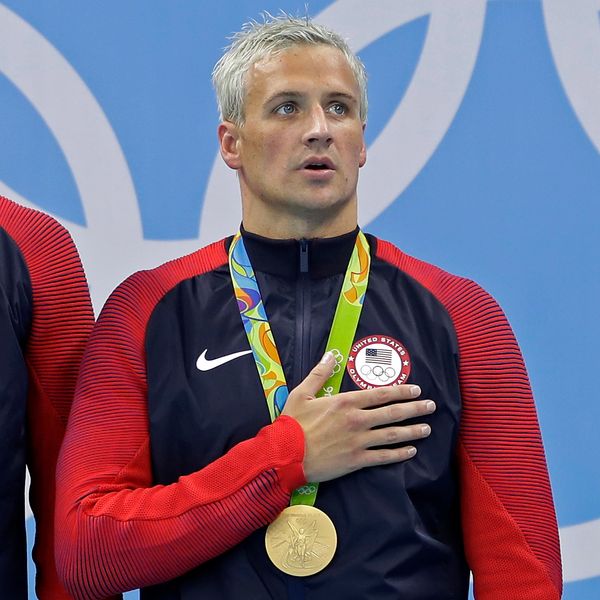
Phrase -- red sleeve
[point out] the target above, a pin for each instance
(508, 518)
(117, 530)
(62, 321)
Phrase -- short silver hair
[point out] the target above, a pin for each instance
(275, 34)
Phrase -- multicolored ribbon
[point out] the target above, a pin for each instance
(262, 343)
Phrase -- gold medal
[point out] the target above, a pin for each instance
(301, 541)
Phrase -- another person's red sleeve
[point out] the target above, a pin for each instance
(117, 531)
(61, 323)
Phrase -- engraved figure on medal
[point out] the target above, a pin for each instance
(299, 542)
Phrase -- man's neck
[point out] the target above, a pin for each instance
(290, 227)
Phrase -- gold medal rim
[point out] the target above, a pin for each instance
(323, 520)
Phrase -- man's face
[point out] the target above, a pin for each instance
(301, 145)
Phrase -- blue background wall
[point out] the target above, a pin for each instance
(484, 141)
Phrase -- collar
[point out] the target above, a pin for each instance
(323, 256)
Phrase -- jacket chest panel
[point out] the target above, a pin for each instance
(203, 381)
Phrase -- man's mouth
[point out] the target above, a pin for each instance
(318, 164)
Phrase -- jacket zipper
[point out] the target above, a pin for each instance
(303, 316)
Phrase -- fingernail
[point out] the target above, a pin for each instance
(415, 390)
(411, 450)
(430, 405)
(425, 430)
(327, 357)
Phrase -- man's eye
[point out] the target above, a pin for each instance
(286, 109)
(338, 108)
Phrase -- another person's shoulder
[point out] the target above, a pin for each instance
(32, 230)
(42, 246)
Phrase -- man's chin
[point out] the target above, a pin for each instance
(318, 202)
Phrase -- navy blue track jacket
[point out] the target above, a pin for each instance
(170, 473)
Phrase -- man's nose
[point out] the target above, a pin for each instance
(318, 129)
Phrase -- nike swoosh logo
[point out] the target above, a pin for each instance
(206, 364)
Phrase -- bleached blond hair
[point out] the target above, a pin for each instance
(257, 40)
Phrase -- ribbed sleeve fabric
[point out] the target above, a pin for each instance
(508, 518)
(62, 322)
(117, 530)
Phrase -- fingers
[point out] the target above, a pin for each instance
(317, 378)
(395, 435)
(394, 413)
(382, 395)
(387, 456)
(387, 436)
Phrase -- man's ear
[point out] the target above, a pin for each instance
(229, 144)
(362, 159)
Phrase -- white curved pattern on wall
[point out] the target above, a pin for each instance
(93, 154)
(573, 28)
(580, 546)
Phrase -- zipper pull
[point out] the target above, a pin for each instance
(303, 256)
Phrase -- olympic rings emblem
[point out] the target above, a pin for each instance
(339, 357)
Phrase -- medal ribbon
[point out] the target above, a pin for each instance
(262, 343)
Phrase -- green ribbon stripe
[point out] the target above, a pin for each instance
(262, 343)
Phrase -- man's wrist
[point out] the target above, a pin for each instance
(288, 430)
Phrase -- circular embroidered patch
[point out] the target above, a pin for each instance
(378, 360)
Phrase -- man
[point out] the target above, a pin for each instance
(170, 469)
(45, 319)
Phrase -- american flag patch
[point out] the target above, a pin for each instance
(380, 356)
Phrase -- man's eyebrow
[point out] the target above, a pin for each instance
(283, 95)
(294, 95)
(343, 95)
